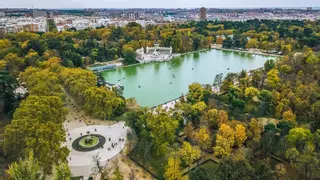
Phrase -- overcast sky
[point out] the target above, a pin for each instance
(155, 3)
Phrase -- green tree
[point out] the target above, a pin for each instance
(62, 172)
(162, 130)
(195, 94)
(176, 43)
(269, 64)
(129, 56)
(25, 169)
(266, 102)
(37, 127)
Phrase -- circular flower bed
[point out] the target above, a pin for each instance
(89, 142)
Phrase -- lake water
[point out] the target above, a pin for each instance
(163, 81)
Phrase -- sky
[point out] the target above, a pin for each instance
(53, 4)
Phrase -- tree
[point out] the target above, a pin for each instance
(290, 117)
(266, 102)
(280, 170)
(231, 169)
(256, 78)
(240, 135)
(102, 103)
(73, 57)
(217, 117)
(189, 153)
(251, 92)
(298, 137)
(31, 58)
(206, 171)
(25, 169)
(219, 40)
(252, 43)
(188, 129)
(14, 63)
(42, 82)
(37, 127)
(224, 141)
(162, 130)
(196, 111)
(173, 171)
(176, 43)
(8, 84)
(62, 172)
(195, 94)
(129, 55)
(285, 69)
(254, 130)
(217, 79)
(227, 43)
(212, 117)
(269, 64)
(202, 136)
(76, 81)
(273, 78)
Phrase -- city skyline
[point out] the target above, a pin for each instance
(70, 4)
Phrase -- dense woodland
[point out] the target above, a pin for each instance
(260, 115)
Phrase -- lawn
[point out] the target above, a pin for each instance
(93, 142)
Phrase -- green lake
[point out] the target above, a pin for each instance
(163, 81)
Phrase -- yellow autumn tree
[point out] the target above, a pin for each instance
(14, 63)
(224, 141)
(223, 117)
(212, 116)
(289, 116)
(173, 169)
(189, 153)
(52, 61)
(4, 43)
(254, 130)
(240, 135)
(252, 43)
(273, 78)
(202, 136)
(251, 92)
(219, 40)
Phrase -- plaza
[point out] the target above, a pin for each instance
(105, 141)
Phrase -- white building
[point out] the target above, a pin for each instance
(24, 24)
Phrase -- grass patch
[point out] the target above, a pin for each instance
(88, 143)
